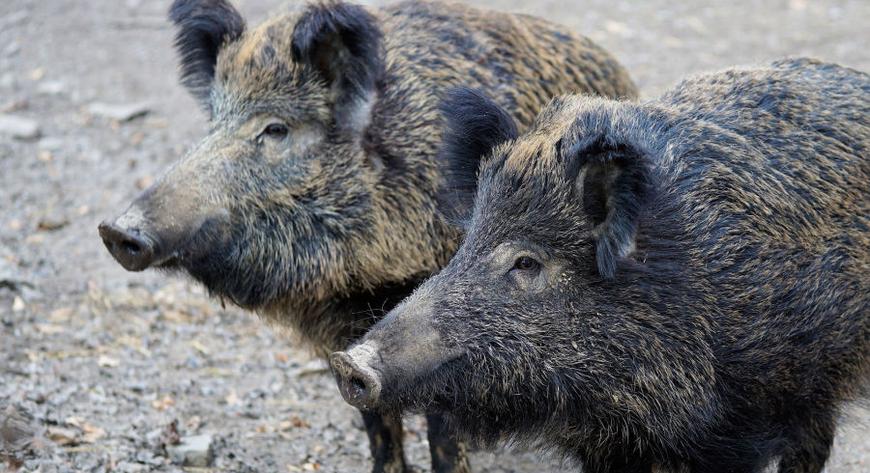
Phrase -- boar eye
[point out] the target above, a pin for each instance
(526, 263)
(276, 130)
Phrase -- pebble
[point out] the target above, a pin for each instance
(51, 144)
(192, 451)
(14, 18)
(12, 49)
(51, 87)
(18, 304)
(11, 277)
(16, 429)
(7, 81)
(129, 467)
(19, 127)
(119, 112)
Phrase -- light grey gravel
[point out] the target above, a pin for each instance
(19, 127)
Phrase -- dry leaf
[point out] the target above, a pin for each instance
(144, 182)
(281, 357)
(170, 435)
(49, 329)
(232, 398)
(176, 316)
(63, 436)
(200, 347)
(162, 404)
(62, 314)
(50, 224)
(92, 433)
(137, 138)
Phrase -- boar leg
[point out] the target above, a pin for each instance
(448, 455)
(385, 441)
(809, 446)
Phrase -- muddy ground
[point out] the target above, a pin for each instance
(106, 362)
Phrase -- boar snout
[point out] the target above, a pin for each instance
(128, 241)
(358, 381)
(403, 350)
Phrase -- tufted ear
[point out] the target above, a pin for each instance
(204, 26)
(474, 125)
(614, 181)
(342, 43)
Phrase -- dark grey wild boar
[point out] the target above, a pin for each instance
(312, 199)
(680, 285)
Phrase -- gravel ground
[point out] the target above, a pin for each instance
(113, 366)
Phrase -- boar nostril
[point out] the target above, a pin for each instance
(129, 247)
(358, 386)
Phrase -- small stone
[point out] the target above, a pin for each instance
(192, 451)
(51, 144)
(15, 105)
(10, 276)
(17, 429)
(12, 49)
(108, 362)
(51, 87)
(130, 467)
(19, 127)
(119, 112)
(18, 304)
(148, 458)
(7, 81)
(14, 18)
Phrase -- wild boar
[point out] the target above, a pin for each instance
(679, 285)
(312, 198)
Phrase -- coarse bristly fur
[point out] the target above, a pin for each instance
(679, 285)
(337, 222)
(312, 198)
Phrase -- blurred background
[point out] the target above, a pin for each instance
(104, 370)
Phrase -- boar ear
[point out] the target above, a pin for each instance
(342, 43)
(614, 181)
(474, 125)
(204, 26)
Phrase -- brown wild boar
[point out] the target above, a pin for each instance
(312, 198)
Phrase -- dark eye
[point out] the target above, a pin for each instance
(276, 130)
(526, 263)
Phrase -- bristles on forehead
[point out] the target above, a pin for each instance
(535, 152)
(259, 66)
(267, 45)
(275, 33)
